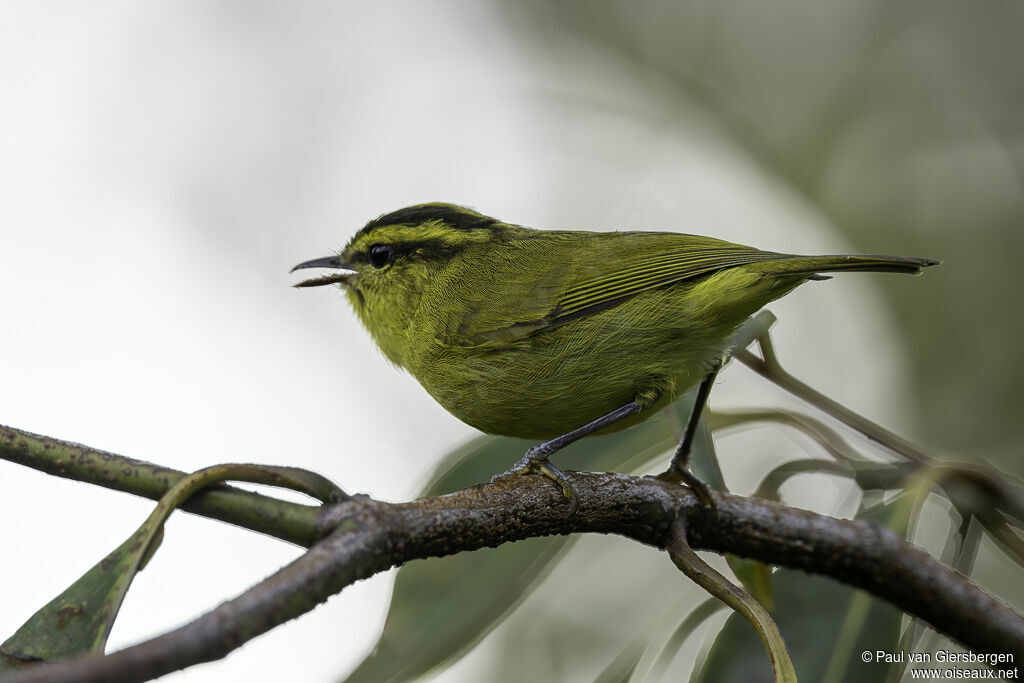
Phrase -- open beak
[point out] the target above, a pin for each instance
(334, 262)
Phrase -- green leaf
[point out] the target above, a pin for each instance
(704, 457)
(756, 578)
(697, 616)
(826, 625)
(79, 620)
(442, 606)
(621, 669)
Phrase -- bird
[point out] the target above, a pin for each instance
(554, 335)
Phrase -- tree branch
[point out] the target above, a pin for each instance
(292, 522)
(370, 536)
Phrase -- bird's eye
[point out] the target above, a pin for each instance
(380, 255)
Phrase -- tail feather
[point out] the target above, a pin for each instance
(811, 265)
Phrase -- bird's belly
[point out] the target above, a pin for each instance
(540, 391)
(535, 410)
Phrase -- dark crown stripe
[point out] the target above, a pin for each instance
(455, 217)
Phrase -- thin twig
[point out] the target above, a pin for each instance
(985, 478)
(770, 368)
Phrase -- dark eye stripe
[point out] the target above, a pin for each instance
(424, 250)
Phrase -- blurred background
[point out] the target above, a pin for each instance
(164, 164)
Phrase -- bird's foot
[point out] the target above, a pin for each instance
(536, 460)
(702, 490)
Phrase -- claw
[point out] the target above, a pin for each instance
(559, 477)
(534, 462)
(702, 491)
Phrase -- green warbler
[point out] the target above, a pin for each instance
(552, 334)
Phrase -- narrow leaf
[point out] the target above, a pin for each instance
(755, 576)
(697, 616)
(79, 620)
(814, 613)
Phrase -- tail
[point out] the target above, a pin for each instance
(812, 265)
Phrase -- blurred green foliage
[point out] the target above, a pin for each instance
(900, 123)
(826, 625)
(443, 606)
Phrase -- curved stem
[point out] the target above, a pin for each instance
(769, 367)
(705, 576)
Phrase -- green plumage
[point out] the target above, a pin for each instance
(533, 333)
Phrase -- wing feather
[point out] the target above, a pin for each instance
(588, 275)
(650, 272)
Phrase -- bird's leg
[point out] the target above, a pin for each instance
(677, 470)
(754, 330)
(536, 459)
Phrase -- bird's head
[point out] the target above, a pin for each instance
(386, 266)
